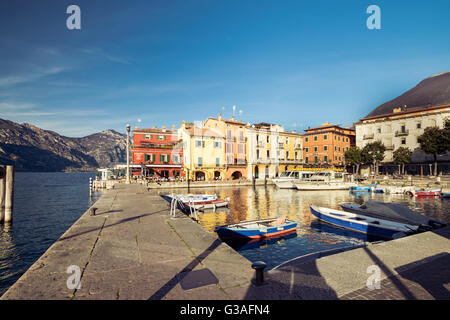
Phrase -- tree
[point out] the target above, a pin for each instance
(434, 141)
(402, 156)
(374, 153)
(353, 156)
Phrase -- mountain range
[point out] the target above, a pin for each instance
(30, 148)
(433, 91)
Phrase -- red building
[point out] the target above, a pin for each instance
(157, 153)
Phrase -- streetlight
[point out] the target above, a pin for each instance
(128, 154)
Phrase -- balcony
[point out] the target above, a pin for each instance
(298, 146)
(280, 145)
(368, 136)
(401, 133)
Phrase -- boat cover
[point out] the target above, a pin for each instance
(388, 211)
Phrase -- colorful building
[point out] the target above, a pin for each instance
(235, 145)
(262, 150)
(290, 153)
(203, 152)
(326, 145)
(157, 153)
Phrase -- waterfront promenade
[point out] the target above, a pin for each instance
(133, 249)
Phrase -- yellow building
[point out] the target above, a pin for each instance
(203, 152)
(290, 155)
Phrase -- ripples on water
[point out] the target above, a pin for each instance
(247, 203)
(45, 206)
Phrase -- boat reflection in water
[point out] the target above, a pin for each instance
(244, 244)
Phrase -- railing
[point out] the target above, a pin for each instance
(401, 133)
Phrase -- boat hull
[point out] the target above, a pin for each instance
(358, 226)
(321, 187)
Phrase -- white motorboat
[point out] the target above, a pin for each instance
(324, 186)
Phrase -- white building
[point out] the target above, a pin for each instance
(402, 128)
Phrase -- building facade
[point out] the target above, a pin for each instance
(326, 145)
(234, 133)
(290, 153)
(402, 128)
(157, 153)
(263, 147)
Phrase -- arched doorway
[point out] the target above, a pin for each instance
(199, 176)
(236, 175)
(216, 175)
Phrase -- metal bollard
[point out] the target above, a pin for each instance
(259, 271)
(93, 211)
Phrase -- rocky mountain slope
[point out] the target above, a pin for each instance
(432, 91)
(33, 149)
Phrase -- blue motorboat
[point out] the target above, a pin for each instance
(256, 229)
(356, 222)
(360, 189)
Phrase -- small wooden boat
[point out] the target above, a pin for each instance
(207, 204)
(427, 192)
(256, 229)
(364, 224)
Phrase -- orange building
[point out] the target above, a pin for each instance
(325, 146)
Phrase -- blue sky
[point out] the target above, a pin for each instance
(296, 63)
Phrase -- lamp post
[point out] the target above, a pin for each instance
(128, 154)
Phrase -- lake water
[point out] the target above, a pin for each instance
(45, 206)
(247, 203)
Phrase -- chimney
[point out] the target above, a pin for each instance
(219, 117)
(153, 127)
(232, 118)
(135, 128)
(163, 128)
(173, 127)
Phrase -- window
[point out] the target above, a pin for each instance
(316, 159)
(325, 148)
(346, 139)
(325, 137)
(200, 161)
(198, 143)
(217, 162)
(325, 158)
(315, 149)
(296, 155)
(241, 148)
(403, 140)
(379, 130)
(419, 125)
(268, 139)
(147, 136)
(403, 128)
(287, 155)
(306, 139)
(306, 149)
(268, 153)
(161, 137)
(287, 140)
(217, 144)
(419, 140)
(306, 159)
(315, 138)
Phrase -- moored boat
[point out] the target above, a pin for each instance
(444, 195)
(393, 212)
(323, 186)
(427, 192)
(256, 229)
(364, 224)
(208, 204)
(191, 197)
